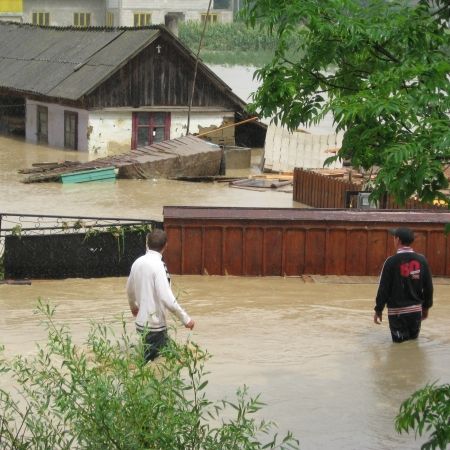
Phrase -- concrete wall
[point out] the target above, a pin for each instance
(61, 12)
(109, 132)
(55, 124)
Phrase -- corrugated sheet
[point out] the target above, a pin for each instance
(64, 63)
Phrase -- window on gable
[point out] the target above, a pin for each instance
(40, 18)
(211, 18)
(71, 130)
(81, 19)
(150, 127)
(142, 19)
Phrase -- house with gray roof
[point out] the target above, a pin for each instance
(106, 90)
(118, 13)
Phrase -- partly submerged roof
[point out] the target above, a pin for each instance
(70, 62)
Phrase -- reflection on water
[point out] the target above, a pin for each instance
(325, 370)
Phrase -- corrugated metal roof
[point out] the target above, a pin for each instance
(65, 63)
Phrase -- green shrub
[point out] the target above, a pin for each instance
(102, 396)
(427, 411)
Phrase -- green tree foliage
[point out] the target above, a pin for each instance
(101, 395)
(427, 411)
(379, 67)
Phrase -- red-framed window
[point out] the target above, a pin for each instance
(150, 127)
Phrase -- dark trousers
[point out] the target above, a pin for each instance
(405, 326)
(154, 341)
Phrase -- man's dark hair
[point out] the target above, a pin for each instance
(406, 235)
(156, 240)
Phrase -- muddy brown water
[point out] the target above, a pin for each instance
(326, 372)
(121, 198)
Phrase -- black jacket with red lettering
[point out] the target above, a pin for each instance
(405, 281)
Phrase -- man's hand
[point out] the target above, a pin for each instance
(134, 310)
(378, 317)
(424, 313)
(190, 324)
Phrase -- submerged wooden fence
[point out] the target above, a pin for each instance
(322, 191)
(293, 242)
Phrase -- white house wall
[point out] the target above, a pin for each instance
(198, 120)
(55, 124)
(61, 12)
(109, 132)
(104, 133)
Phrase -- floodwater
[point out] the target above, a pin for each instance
(326, 372)
(121, 198)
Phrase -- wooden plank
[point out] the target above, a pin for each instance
(436, 252)
(356, 261)
(273, 252)
(376, 251)
(192, 254)
(336, 252)
(294, 251)
(213, 253)
(233, 250)
(174, 256)
(253, 251)
(315, 251)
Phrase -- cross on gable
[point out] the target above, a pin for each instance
(158, 47)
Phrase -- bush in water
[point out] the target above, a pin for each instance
(103, 396)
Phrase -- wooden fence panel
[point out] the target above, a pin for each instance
(293, 242)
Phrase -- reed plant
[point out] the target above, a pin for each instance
(101, 395)
(229, 43)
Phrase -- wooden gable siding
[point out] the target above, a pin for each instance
(152, 79)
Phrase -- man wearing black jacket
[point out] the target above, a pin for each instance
(406, 287)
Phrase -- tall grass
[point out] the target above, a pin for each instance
(229, 44)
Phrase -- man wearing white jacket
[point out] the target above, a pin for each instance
(150, 295)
